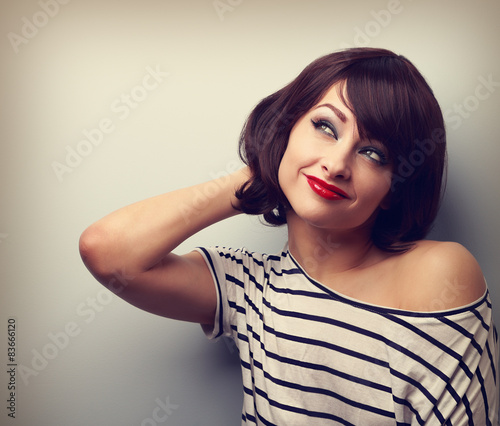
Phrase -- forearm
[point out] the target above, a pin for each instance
(138, 236)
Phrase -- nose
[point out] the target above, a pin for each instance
(336, 162)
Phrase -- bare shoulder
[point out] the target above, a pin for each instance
(440, 275)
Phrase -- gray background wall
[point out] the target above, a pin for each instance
(68, 68)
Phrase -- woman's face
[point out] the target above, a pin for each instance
(332, 178)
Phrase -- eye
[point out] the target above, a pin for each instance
(325, 127)
(375, 154)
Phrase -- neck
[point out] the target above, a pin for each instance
(326, 253)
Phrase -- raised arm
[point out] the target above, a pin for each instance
(129, 251)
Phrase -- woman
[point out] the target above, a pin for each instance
(359, 320)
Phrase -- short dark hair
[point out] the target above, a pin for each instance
(392, 103)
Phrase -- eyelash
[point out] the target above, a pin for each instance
(321, 124)
(383, 158)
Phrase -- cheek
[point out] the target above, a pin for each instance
(284, 172)
(289, 170)
(280, 174)
(378, 189)
(288, 163)
(296, 157)
(384, 179)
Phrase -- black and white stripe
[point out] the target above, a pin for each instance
(310, 355)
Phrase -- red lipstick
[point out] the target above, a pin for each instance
(325, 190)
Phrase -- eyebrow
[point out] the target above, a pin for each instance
(337, 111)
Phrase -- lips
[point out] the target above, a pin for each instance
(326, 190)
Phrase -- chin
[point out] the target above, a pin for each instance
(339, 222)
(318, 220)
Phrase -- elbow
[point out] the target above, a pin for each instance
(94, 251)
(98, 250)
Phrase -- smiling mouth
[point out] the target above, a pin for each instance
(326, 190)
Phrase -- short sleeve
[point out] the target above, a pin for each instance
(222, 327)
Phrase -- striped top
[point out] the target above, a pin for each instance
(311, 356)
